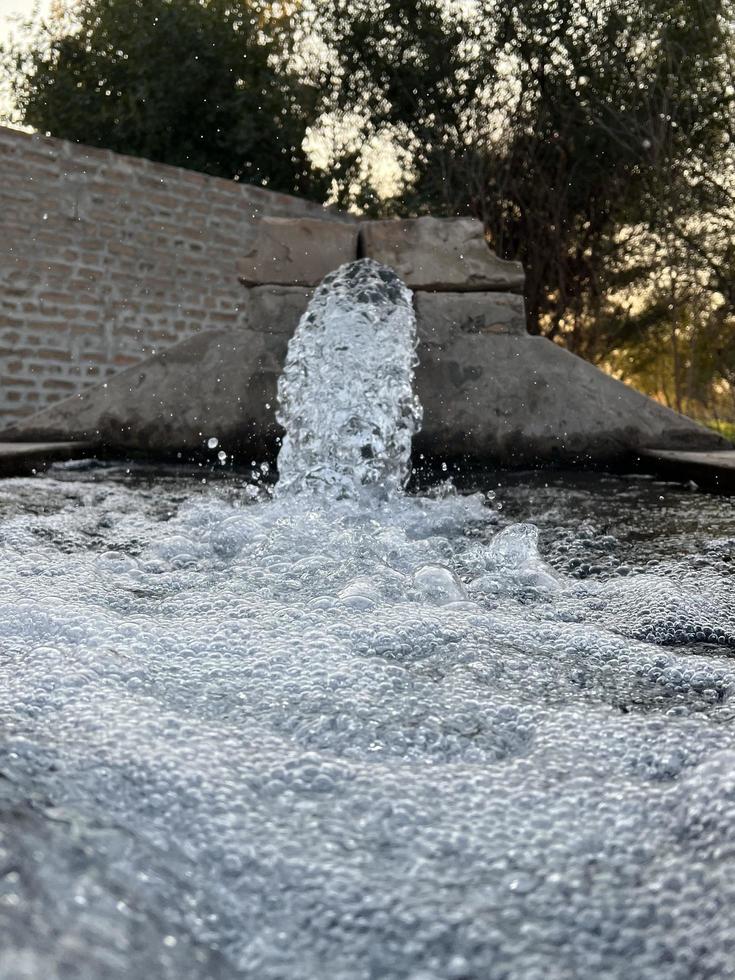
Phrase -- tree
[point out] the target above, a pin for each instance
(577, 131)
(202, 84)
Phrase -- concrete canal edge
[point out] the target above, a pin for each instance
(709, 470)
(28, 458)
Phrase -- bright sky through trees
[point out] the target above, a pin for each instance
(11, 12)
(12, 8)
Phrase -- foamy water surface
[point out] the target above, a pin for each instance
(389, 737)
(348, 732)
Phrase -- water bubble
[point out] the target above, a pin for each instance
(362, 733)
(438, 584)
(345, 395)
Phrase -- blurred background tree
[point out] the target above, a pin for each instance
(203, 84)
(595, 142)
(594, 139)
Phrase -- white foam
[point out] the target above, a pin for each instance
(333, 753)
(353, 733)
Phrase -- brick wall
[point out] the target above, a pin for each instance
(105, 258)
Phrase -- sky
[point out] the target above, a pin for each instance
(9, 8)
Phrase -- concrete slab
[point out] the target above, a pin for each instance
(714, 470)
(20, 458)
(440, 316)
(218, 384)
(500, 398)
(440, 254)
(519, 399)
(296, 251)
(275, 308)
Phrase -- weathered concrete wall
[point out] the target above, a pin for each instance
(106, 258)
(440, 254)
(511, 398)
(490, 392)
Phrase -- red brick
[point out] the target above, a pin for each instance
(150, 261)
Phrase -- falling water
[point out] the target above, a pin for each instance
(346, 396)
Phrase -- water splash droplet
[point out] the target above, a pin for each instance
(345, 395)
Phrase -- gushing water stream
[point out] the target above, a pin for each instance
(351, 732)
(346, 397)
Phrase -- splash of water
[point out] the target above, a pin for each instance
(352, 734)
(346, 397)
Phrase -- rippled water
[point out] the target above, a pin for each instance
(360, 733)
(246, 737)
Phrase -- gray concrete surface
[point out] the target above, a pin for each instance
(220, 383)
(500, 398)
(17, 458)
(712, 470)
(440, 254)
(275, 309)
(296, 251)
(441, 316)
(521, 399)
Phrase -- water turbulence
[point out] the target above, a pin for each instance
(345, 395)
(339, 732)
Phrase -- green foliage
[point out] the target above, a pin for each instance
(551, 121)
(593, 138)
(585, 135)
(726, 429)
(202, 84)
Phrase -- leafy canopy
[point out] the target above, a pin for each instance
(594, 139)
(202, 84)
